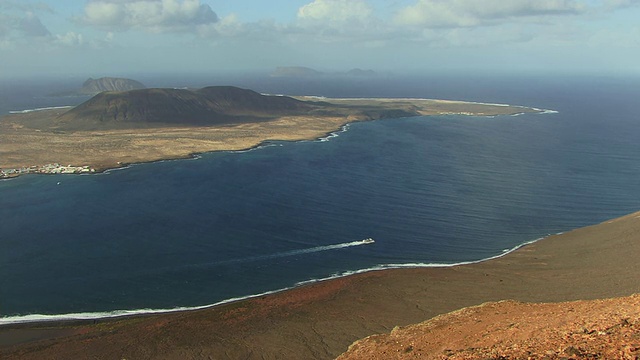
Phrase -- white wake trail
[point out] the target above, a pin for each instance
(293, 252)
(319, 248)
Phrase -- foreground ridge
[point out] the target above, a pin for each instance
(596, 329)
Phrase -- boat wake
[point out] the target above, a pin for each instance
(123, 313)
(286, 253)
(320, 248)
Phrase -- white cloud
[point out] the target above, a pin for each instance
(25, 6)
(149, 15)
(621, 4)
(70, 39)
(336, 21)
(469, 13)
(336, 11)
(607, 38)
(4, 25)
(469, 38)
(102, 13)
(229, 26)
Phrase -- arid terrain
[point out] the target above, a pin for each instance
(83, 137)
(594, 329)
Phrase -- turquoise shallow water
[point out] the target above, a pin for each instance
(443, 189)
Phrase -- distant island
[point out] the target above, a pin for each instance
(304, 72)
(295, 71)
(115, 128)
(361, 72)
(95, 86)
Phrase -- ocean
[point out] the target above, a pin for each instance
(431, 191)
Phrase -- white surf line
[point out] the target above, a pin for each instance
(39, 109)
(31, 318)
(391, 99)
(334, 134)
(541, 111)
(421, 265)
(125, 313)
(19, 319)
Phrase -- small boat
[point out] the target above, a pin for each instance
(368, 241)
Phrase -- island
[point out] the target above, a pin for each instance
(305, 72)
(94, 86)
(116, 128)
(295, 71)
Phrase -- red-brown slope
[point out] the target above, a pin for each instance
(596, 329)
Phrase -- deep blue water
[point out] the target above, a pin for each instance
(442, 189)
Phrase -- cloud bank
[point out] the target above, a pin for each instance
(470, 13)
(148, 15)
(326, 31)
(335, 11)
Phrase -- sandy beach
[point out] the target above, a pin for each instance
(321, 320)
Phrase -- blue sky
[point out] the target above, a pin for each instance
(122, 37)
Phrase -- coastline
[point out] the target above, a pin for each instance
(28, 147)
(43, 319)
(320, 320)
(88, 170)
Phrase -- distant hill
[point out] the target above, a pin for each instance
(95, 86)
(360, 72)
(295, 71)
(301, 71)
(155, 107)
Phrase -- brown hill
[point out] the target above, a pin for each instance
(155, 107)
(595, 329)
